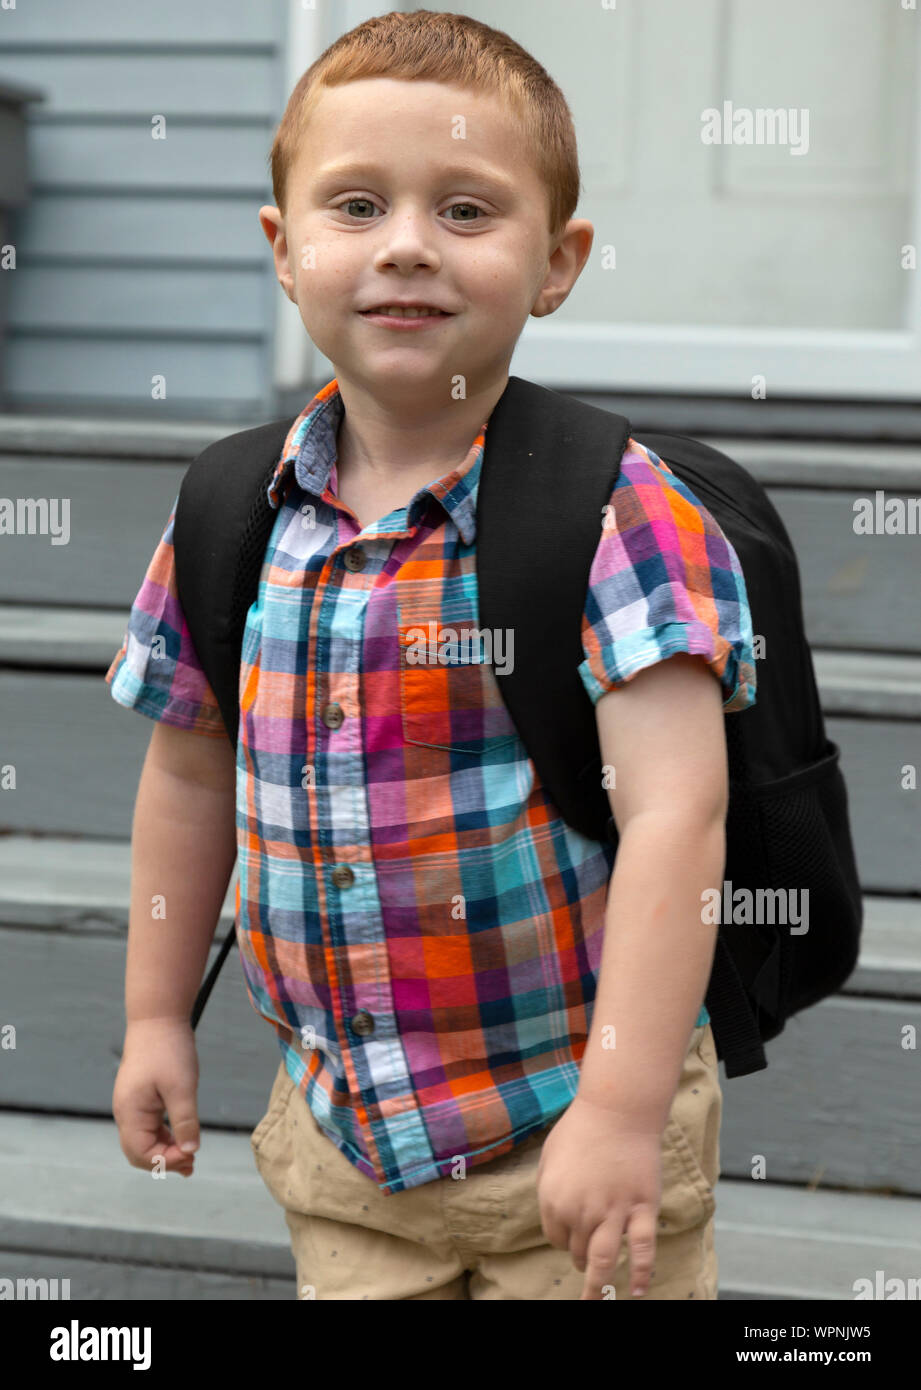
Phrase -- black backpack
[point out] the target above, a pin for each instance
(554, 461)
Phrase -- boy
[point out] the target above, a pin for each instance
(475, 1100)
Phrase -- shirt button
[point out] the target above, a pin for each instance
(332, 716)
(355, 558)
(342, 876)
(362, 1023)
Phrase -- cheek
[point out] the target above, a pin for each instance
(501, 279)
(321, 267)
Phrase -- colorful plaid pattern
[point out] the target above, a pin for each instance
(415, 920)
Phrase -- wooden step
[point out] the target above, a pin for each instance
(874, 702)
(95, 436)
(42, 637)
(830, 1106)
(72, 1207)
(826, 465)
(794, 462)
(781, 1243)
(858, 591)
(83, 886)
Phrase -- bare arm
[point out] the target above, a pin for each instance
(600, 1168)
(663, 734)
(183, 847)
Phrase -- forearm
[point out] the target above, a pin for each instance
(183, 847)
(655, 963)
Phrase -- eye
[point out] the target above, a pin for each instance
(358, 202)
(471, 207)
(350, 203)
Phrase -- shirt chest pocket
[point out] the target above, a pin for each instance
(449, 694)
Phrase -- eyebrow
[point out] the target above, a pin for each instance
(354, 169)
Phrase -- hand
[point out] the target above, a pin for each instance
(159, 1071)
(600, 1173)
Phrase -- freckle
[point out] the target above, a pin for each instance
(334, 1252)
(428, 1278)
(662, 1221)
(694, 1091)
(557, 1281)
(365, 1207)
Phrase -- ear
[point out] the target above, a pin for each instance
(273, 224)
(565, 265)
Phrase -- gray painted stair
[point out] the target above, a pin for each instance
(63, 918)
(859, 592)
(836, 1110)
(72, 1208)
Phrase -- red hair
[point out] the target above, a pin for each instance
(426, 45)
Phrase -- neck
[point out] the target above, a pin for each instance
(387, 443)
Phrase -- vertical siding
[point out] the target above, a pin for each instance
(142, 258)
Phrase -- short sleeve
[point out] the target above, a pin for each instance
(156, 670)
(664, 580)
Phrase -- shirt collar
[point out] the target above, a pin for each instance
(310, 452)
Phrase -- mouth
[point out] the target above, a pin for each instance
(395, 313)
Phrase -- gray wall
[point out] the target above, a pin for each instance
(139, 257)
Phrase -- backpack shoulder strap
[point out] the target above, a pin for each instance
(551, 463)
(220, 532)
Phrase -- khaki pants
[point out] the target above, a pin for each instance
(480, 1237)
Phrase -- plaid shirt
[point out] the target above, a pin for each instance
(415, 920)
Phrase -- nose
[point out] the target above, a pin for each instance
(407, 240)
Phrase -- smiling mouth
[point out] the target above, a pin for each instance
(394, 312)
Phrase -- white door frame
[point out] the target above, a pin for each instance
(656, 357)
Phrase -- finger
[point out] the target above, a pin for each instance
(555, 1229)
(166, 1154)
(601, 1255)
(579, 1242)
(183, 1116)
(173, 1159)
(641, 1239)
(143, 1138)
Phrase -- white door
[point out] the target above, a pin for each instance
(753, 173)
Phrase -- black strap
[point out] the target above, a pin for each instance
(550, 463)
(222, 519)
(220, 532)
(212, 975)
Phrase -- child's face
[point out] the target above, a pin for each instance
(389, 229)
